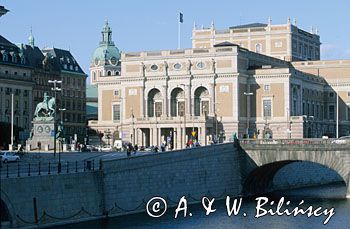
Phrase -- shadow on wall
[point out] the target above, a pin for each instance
(289, 174)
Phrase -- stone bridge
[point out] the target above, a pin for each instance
(265, 160)
(123, 186)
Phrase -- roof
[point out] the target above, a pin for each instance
(33, 55)
(225, 44)
(4, 41)
(63, 60)
(251, 25)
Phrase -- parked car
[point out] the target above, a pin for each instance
(8, 157)
(106, 148)
(342, 140)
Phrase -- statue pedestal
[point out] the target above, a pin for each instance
(43, 135)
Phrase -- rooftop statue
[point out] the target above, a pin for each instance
(45, 110)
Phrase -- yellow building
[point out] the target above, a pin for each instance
(214, 92)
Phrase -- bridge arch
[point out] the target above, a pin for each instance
(269, 162)
(7, 210)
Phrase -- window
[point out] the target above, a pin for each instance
(109, 73)
(200, 65)
(267, 87)
(331, 112)
(331, 94)
(24, 74)
(278, 44)
(267, 108)
(258, 48)
(116, 92)
(116, 112)
(154, 67)
(177, 66)
(15, 73)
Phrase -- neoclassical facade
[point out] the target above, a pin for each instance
(211, 93)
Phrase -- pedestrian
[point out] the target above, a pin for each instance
(136, 148)
(162, 147)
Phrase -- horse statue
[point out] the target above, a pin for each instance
(45, 108)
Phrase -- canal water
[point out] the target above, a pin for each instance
(327, 197)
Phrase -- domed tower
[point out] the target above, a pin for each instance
(105, 61)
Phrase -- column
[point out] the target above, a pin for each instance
(203, 137)
(165, 101)
(151, 136)
(169, 105)
(145, 103)
(142, 102)
(188, 99)
(178, 138)
(212, 100)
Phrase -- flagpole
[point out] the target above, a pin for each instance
(12, 120)
(178, 32)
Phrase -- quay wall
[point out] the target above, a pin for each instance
(123, 186)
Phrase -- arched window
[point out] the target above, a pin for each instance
(99, 73)
(109, 73)
(258, 48)
(94, 75)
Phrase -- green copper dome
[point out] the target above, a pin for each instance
(106, 53)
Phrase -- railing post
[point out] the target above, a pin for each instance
(18, 168)
(49, 168)
(84, 165)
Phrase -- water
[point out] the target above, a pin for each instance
(325, 197)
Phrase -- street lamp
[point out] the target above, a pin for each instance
(61, 148)
(248, 94)
(55, 89)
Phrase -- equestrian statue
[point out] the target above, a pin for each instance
(46, 108)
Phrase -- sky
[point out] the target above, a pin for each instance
(76, 25)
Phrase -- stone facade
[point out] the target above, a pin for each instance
(286, 41)
(216, 92)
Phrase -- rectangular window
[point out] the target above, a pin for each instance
(348, 112)
(116, 112)
(267, 87)
(331, 94)
(267, 108)
(331, 112)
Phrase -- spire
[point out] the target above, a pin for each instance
(212, 24)
(194, 25)
(295, 22)
(31, 38)
(288, 20)
(106, 34)
(312, 30)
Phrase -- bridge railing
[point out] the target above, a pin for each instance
(304, 141)
(19, 169)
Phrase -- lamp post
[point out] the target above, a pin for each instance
(248, 94)
(55, 89)
(61, 148)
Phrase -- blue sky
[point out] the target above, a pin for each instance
(152, 24)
